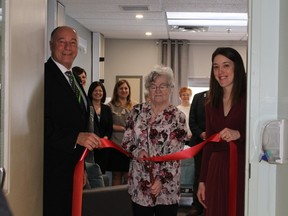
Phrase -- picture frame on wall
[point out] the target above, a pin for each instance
(136, 84)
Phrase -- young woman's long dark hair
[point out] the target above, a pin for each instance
(215, 94)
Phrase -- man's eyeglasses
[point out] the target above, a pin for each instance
(161, 87)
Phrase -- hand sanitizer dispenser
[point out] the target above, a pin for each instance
(275, 142)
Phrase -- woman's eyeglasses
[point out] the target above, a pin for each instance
(161, 87)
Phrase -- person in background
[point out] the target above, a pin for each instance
(81, 73)
(65, 123)
(185, 95)
(155, 128)
(103, 122)
(197, 126)
(121, 106)
(225, 115)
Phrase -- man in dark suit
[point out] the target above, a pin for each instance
(197, 122)
(65, 123)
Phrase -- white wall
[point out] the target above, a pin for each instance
(282, 171)
(24, 75)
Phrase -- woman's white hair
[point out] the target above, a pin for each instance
(159, 70)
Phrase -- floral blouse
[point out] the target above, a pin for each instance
(163, 136)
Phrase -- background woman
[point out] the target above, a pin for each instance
(103, 122)
(155, 128)
(121, 106)
(185, 95)
(226, 115)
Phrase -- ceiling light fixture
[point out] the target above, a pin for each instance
(148, 33)
(207, 19)
(189, 28)
(139, 16)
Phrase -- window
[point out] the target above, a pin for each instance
(198, 85)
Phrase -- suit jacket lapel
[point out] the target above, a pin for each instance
(61, 79)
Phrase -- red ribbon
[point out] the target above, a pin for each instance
(185, 154)
(233, 174)
(78, 186)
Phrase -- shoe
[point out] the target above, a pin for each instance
(194, 211)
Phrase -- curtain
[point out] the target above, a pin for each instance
(175, 54)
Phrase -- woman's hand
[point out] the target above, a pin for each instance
(156, 187)
(203, 135)
(119, 128)
(201, 193)
(142, 154)
(229, 134)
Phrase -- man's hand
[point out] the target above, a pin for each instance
(89, 140)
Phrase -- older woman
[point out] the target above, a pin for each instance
(155, 128)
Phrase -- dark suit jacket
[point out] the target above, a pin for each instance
(63, 120)
(197, 117)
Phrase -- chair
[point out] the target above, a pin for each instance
(107, 201)
(186, 182)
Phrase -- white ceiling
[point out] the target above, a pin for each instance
(107, 17)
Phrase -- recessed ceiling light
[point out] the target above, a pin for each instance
(148, 33)
(139, 16)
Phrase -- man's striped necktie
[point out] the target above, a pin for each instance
(74, 86)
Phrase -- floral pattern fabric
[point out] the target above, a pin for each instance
(163, 136)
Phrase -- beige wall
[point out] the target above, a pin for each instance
(24, 126)
(128, 57)
(200, 56)
(137, 58)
